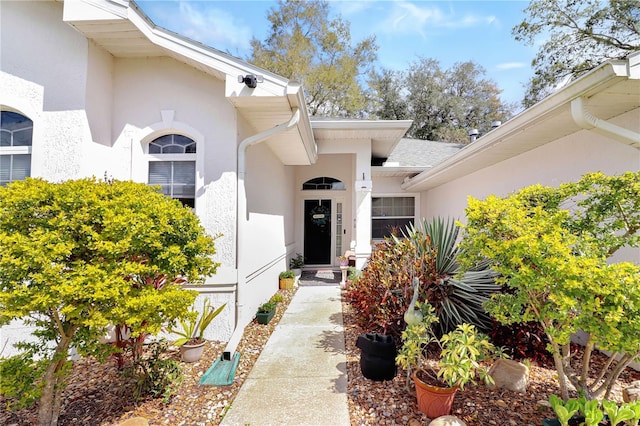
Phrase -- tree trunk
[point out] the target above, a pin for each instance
(49, 403)
(562, 378)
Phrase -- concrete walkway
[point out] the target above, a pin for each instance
(300, 377)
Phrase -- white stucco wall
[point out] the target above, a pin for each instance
(45, 82)
(564, 160)
(269, 229)
(93, 113)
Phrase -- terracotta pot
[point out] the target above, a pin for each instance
(192, 353)
(434, 401)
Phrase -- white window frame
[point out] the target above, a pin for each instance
(19, 150)
(416, 203)
(174, 157)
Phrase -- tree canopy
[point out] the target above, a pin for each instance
(578, 36)
(444, 104)
(552, 248)
(306, 45)
(80, 255)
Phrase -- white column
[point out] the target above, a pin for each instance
(362, 198)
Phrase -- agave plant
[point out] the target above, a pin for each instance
(456, 299)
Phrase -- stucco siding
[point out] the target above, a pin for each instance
(44, 76)
(564, 160)
(39, 47)
(270, 204)
(157, 96)
(99, 96)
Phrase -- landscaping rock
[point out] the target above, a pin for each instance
(511, 375)
(632, 392)
(447, 421)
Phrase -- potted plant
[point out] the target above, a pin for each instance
(287, 279)
(266, 311)
(343, 261)
(457, 354)
(581, 411)
(296, 263)
(192, 329)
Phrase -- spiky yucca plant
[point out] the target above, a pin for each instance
(456, 299)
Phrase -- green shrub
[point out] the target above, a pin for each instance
(276, 298)
(156, 375)
(382, 293)
(457, 298)
(287, 274)
(296, 262)
(267, 307)
(20, 380)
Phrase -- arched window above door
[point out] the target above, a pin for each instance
(323, 183)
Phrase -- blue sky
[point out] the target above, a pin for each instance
(449, 31)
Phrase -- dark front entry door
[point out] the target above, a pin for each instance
(317, 232)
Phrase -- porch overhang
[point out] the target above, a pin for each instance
(383, 134)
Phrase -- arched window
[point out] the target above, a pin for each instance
(16, 132)
(323, 183)
(172, 165)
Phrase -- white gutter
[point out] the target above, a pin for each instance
(586, 120)
(241, 318)
(590, 83)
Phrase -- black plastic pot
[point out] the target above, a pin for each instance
(377, 356)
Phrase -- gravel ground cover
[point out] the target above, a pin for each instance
(391, 403)
(95, 394)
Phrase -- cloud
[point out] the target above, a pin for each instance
(212, 26)
(348, 8)
(510, 65)
(409, 17)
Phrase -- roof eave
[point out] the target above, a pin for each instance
(598, 79)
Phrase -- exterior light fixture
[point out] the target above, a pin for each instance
(251, 80)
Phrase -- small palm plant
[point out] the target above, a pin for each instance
(192, 329)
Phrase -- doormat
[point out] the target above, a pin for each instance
(326, 274)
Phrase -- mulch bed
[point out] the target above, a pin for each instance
(97, 393)
(392, 403)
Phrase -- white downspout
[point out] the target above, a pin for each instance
(586, 120)
(241, 318)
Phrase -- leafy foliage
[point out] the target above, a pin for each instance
(19, 376)
(296, 262)
(307, 46)
(79, 255)
(156, 375)
(521, 340)
(554, 261)
(579, 36)
(443, 104)
(267, 307)
(459, 352)
(382, 294)
(192, 329)
(457, 298)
